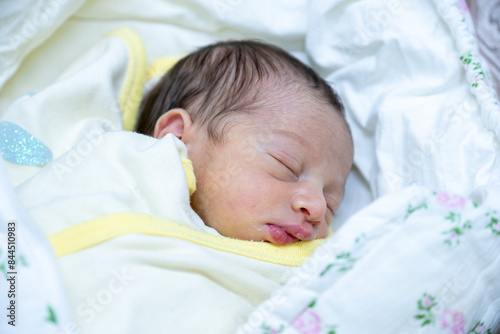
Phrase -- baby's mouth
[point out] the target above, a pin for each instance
(288, 234)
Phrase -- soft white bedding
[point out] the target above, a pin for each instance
(38, 284)
(413, 261)
(423, 118)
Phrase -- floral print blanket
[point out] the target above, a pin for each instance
(415, 261)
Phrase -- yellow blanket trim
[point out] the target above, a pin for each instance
(93, 232)
(161, 65)
(131, 94)
(191, 178)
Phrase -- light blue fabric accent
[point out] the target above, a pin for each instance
(19, 146)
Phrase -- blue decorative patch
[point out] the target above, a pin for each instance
(19, 146)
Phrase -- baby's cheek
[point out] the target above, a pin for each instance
(322, 231)
(242, 201)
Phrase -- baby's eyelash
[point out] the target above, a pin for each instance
(333, 211)
(329, 206)
(284, 164)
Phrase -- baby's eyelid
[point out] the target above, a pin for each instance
(285, 164)
(329, 206)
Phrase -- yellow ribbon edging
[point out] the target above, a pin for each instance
(160, 66)
(93, 232)
(191, 178)
(131, 94)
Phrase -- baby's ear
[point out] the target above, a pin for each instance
(173, 121)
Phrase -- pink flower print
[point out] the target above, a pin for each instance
(496, 227)
(462, 5)
(426, 302)
(453, 320)
(308, 322)
(480, 328)
(450, 201)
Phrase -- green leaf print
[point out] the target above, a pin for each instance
(52, 315)
(344, 262)
(412, 209)
(479, 328)
(493, 222)
(454, 233)
(425, 306)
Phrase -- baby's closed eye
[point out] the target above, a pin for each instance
(283, 168)
(331, 204)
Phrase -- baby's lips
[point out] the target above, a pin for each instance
(279, 236)
(300, 232)
(284, 235)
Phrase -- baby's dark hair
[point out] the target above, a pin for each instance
(221, 78)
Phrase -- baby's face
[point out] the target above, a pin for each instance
(279, 179)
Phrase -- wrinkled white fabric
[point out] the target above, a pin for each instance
(26, 24)
(415, 116)
(34, 271)
(413, 261)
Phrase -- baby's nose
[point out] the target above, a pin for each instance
(312, 206)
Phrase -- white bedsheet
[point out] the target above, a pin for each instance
(414, 261)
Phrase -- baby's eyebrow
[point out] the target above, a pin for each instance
(291, 135)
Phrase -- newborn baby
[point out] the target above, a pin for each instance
(267, 138)
(269, 147)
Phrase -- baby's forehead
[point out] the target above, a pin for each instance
(309, 122)
(287, 108)
(298, 124)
